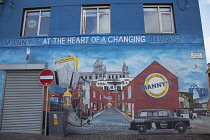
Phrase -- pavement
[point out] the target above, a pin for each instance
(16, 136)
(200, 126)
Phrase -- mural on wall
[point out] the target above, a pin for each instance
(124, 78)
(113, 57)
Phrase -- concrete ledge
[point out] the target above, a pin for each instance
(23, 66)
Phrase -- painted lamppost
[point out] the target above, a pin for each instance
(81, 96)
(67, 96)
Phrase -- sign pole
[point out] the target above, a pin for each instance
(46, 112)
(46, 78)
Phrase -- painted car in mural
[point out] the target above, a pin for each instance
(152, 119)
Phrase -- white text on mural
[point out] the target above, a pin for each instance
(155, 85)
(93, 40)
(133, 39)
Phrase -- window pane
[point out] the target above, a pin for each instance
(155, 114)
(95, 20)
(44, 26)
(31, 24)
(165, 9)
(46, 13)
(37, 23)
(166, 23)
(103, 23)
(150, 9)
(151, 20)
(143, 114)
(90, 21)
(163, 114)
(104, 10)
(150, 114)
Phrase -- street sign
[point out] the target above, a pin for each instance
(46, 77)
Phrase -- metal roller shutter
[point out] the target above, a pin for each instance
(22, 108)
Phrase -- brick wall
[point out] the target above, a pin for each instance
(142, 100)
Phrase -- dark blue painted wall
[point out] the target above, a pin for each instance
(62, 22)
(126, 16)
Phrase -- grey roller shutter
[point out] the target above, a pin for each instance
(22, 105)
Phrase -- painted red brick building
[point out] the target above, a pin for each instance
(97, 102)
(100, 99)
(154, 88)
(111, 97)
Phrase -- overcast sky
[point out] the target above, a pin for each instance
(205, 17)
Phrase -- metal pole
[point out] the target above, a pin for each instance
(46, 113)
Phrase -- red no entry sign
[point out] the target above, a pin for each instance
(46, 77)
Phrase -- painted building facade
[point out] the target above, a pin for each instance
(154, 88)
(107, 80)
(33, 34)
(97, 100)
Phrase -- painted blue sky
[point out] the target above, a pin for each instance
(205, 18)
(177, 61)
(174, 58)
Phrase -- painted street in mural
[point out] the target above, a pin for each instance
(112, 121)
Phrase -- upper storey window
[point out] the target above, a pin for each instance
(95, 20)
(158, 19)
(36, 22)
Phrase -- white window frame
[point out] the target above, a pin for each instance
(159, 16)
(40, 16)
(129, 92)
(83, 20)
(123, 95)
(94, 106)
(101, 105)
(94, 94)
(129, 108)
(123, 106)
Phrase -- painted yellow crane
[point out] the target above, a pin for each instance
(67, 59)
